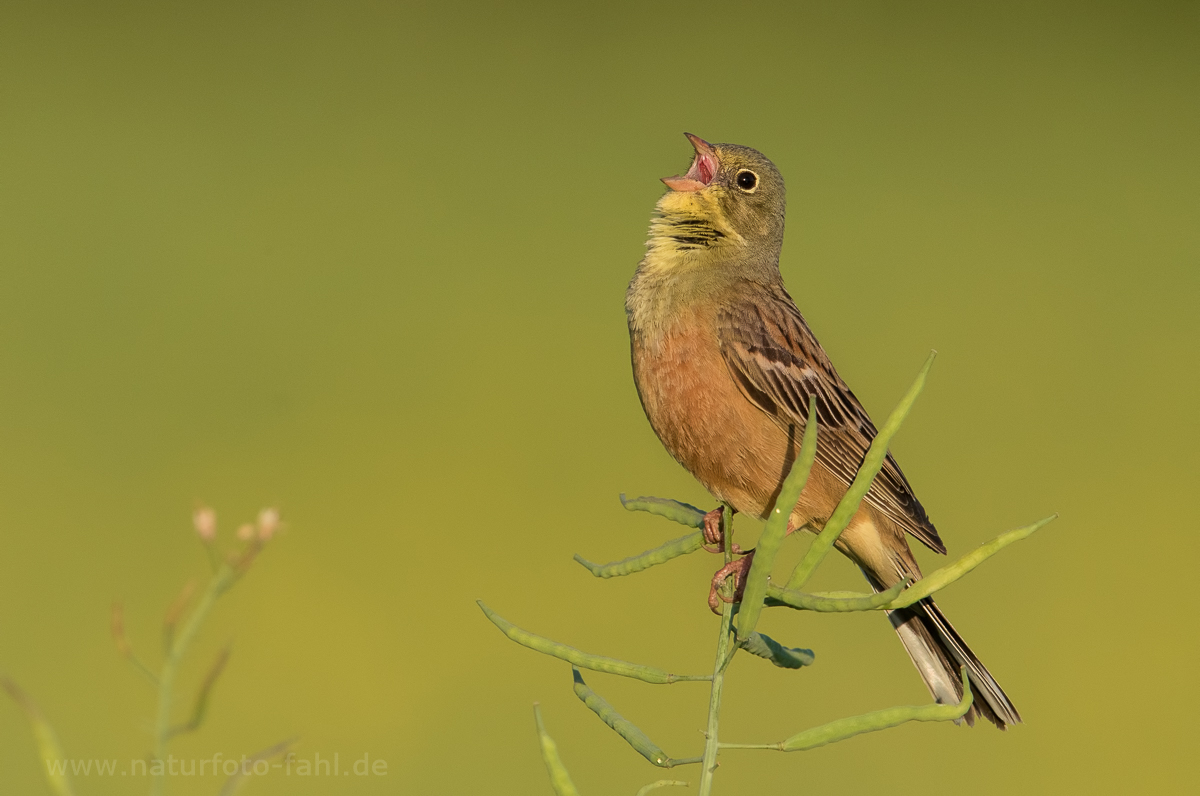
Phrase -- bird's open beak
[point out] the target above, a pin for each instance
(703, 169)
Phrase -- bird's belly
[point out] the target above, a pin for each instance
(737, 451)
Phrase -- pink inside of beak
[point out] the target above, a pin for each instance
(703, 169)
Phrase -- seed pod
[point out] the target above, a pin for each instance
(682, 513)
(659, 555)
(764, 646)
(833, 602)
(640, 742)
(599, 663)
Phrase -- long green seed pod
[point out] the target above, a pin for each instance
(640, 742)
(862, 483)
(764, 646)
(682, 513)
(941, 578)
(659, 555)
(833, 602)
(599, 663)
(842, 729)
(775, 530)
(560, 780)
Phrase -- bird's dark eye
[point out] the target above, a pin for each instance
(747, 180)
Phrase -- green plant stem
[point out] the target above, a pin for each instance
(224, 578)
(709, 764)
(725, 652)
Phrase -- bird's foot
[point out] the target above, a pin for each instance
(738, 569)
(713, 537)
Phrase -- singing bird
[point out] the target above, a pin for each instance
(725, 365)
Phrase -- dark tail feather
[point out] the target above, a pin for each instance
(939, 652)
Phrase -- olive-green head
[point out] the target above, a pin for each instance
(736, 189)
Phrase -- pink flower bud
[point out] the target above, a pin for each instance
(246, 532)
(204, 520)
(268, 524)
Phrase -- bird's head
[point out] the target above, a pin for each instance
(736, 190)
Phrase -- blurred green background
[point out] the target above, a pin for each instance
(366, 262)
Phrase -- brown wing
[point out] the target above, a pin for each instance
(779, 364)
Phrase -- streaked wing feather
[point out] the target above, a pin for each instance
(779, 365)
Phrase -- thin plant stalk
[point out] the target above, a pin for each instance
(124, 647)
(224, 578)
(708, 764)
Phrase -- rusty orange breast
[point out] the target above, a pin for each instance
(694, 406)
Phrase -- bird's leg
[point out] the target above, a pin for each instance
(739, 569)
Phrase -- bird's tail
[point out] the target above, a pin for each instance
(939, 653)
